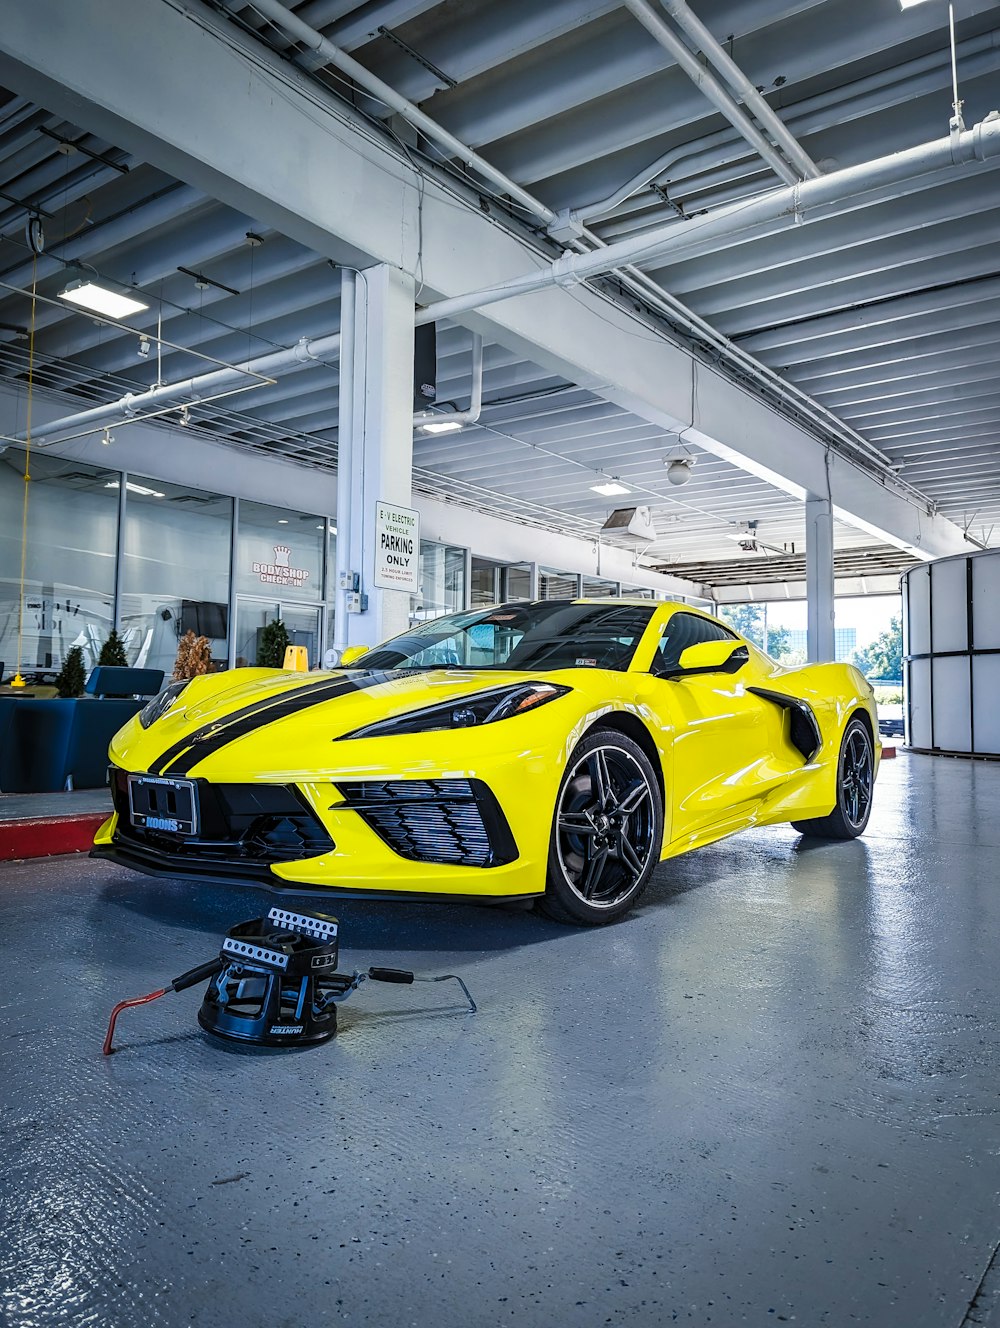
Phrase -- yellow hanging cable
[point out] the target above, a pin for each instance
(17, 680)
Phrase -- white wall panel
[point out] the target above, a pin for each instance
(986, 602)
(950, 692)
(986, 694)
(953, 699)
(949, 605)
(919, 704)
(918, 595)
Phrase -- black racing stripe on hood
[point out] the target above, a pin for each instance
(203, 742)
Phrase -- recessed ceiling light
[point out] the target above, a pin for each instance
(282, 520)
(909, 4)
(441, 426)
(101, 300)
(610, 490)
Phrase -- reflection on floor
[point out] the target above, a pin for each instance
(768, 1096)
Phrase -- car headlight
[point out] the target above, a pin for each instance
(161, 703)
(466, 712)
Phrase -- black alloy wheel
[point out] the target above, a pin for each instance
(855, 788)
(606, 831)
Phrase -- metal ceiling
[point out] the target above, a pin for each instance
(888, 315)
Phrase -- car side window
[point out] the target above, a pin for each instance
(683, 630)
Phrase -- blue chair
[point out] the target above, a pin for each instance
(110, 680)
(94, 724)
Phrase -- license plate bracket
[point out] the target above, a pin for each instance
(167, 805)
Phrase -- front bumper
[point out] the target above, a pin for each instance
(378, 826)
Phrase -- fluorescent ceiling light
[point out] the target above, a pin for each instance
(135, 488)
(282, 520)
(610, 490)
(101, 299)
(441, 426)
(909, 4)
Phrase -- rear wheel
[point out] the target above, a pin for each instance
(855, 786)
(606, 831)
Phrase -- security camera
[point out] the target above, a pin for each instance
(142, 350)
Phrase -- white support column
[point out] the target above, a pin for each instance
(375, 460)
(821, 642)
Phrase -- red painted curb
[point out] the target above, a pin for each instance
(38, 838)
(888, 753)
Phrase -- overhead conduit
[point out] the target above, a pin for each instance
(720, 98)
(865, 96)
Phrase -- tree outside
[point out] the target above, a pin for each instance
(883, 658)
(750, 621)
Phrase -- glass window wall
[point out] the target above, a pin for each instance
(280, 553)
(442, 581)
(69, 561)
(557, 585)
(595, 587)
(175, 576)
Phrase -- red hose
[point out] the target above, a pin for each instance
(124, 1005)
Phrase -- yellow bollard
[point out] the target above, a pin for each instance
(296, 659)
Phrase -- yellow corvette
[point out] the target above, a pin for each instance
(554, 750)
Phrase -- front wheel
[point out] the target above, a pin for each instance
(855, 786)
(606, 831)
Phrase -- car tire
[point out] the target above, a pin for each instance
(855, 786)
(607, 831)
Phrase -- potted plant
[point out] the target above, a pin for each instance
(72, 676)
(113, 652)
(194, 657)
(271, 645)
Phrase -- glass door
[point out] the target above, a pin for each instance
(303, 622)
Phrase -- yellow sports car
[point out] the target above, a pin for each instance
(554, 751)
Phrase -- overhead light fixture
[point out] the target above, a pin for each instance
(282, 520)
(142, 350)
(679, 469)
(87, 294)
(609, 490)
(910, 4)
(108, 438)
(441, 426)
(140, 489)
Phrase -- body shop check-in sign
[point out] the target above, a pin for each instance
(397, 548)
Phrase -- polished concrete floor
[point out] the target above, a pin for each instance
(770, 1096)
(46, 806)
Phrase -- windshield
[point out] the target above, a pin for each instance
(555, 635)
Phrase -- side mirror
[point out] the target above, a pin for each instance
(712, 657)
(352, 653)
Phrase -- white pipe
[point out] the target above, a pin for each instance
(345, 449)
(189, 391)
(471, 415)
(980, 143)
(864, 96)
(333, 55)
(710, 86)
(682, 15)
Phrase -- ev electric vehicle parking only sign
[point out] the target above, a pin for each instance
(397, 548)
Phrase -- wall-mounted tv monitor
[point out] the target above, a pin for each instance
(205, 619)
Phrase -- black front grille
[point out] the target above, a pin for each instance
(455, 821)
(238, 824)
